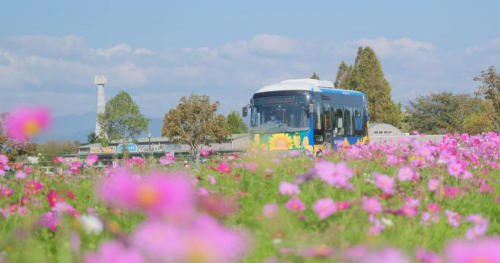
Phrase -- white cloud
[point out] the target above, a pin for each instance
(495, 43)
(475, 49)
(146, 51)
(43, 45)
(113, 50)
(271, 44)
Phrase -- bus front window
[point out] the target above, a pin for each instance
(278, 114)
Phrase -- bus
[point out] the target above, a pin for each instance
(307, 114)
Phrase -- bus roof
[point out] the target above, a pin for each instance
(308, 85)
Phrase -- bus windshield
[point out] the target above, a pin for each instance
(278, 114)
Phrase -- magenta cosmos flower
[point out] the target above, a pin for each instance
(290, 189)
(325, 207)
(295, 205)
(24, 122)
(270, 210)
(114, 251)
(224, 168)
(170, 195)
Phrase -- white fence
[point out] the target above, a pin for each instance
(394, 139)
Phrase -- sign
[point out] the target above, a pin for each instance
(109, 149)
(130, 148)
(272, 100)
(159, 147)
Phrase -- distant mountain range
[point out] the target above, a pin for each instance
(76, 127)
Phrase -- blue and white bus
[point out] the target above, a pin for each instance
(307, 114)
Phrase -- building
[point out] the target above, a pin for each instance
(157, 146)
(385, 129)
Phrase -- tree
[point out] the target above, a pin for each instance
(489, 91)
(122, 119)
(367, 76)
(13, 148)
(194, 121)
(440, 112)
(315, 76)
(52, 149)
(93, 138)
(343, 77)
(236, 124)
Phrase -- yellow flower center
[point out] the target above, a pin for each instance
(31, 127)
(325, 207)
(147, 195)
(32, 186)
(54, 199)
(480, 260)
(295, 206)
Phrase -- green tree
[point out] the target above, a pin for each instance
(367, 76)
(93, 138)
(343, 80)
(194, 121)
(52, 149)
(440, 112)
(236, 124)
(315, 76)
(122, 119)
(489, 92)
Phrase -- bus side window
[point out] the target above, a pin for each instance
(348, 121)
(328, 115)
(338, 121)
(358, 122)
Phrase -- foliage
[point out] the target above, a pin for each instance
(13, 148)
(315, 76)
(122, 119)
(367, 76)
(236, 124)
(477, 123)
(52, 149)
(489, 91)
(194, 121)
(93, 138)
(440, 112)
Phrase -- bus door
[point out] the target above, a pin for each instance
(327, 117)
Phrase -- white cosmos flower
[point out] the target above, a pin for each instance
(91, 224)
(386, 222)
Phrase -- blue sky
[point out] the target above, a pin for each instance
(159, 51)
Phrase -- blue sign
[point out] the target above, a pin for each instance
(130, 148)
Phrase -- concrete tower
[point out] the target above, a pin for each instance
(101, 103)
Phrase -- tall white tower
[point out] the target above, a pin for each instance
(101, 103)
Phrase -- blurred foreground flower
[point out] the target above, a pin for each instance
(24, 123)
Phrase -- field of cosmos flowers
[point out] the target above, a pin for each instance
(411, 201)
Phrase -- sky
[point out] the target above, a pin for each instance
(159, 51)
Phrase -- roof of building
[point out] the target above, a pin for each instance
(158, 140)
(375, 124)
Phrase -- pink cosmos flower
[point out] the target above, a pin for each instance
(433, 184)
(427, 256)
(24, 122)
(290, 189)
(384, 182)
(114, 251)
(433, 207)
(294, 154)
(295, 205)
(372, 205)
(58, 160)
(454, 168)
(477, 230)
(7, 192)
(405, 173)
(20, 175)
(92, 159)
(157, 194)
(211, 179)
(224, 168)
(23, 211)
(270, 210)
(453, 218)
(29, 170)
(205, 240)
(3, 159)
(204, 153)
(343, 205)
(321, 251)
(50, 220)
(202, 191)
(324, 207)
(482, 250)
(252, 167)
(335, 174)
(387, 255)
